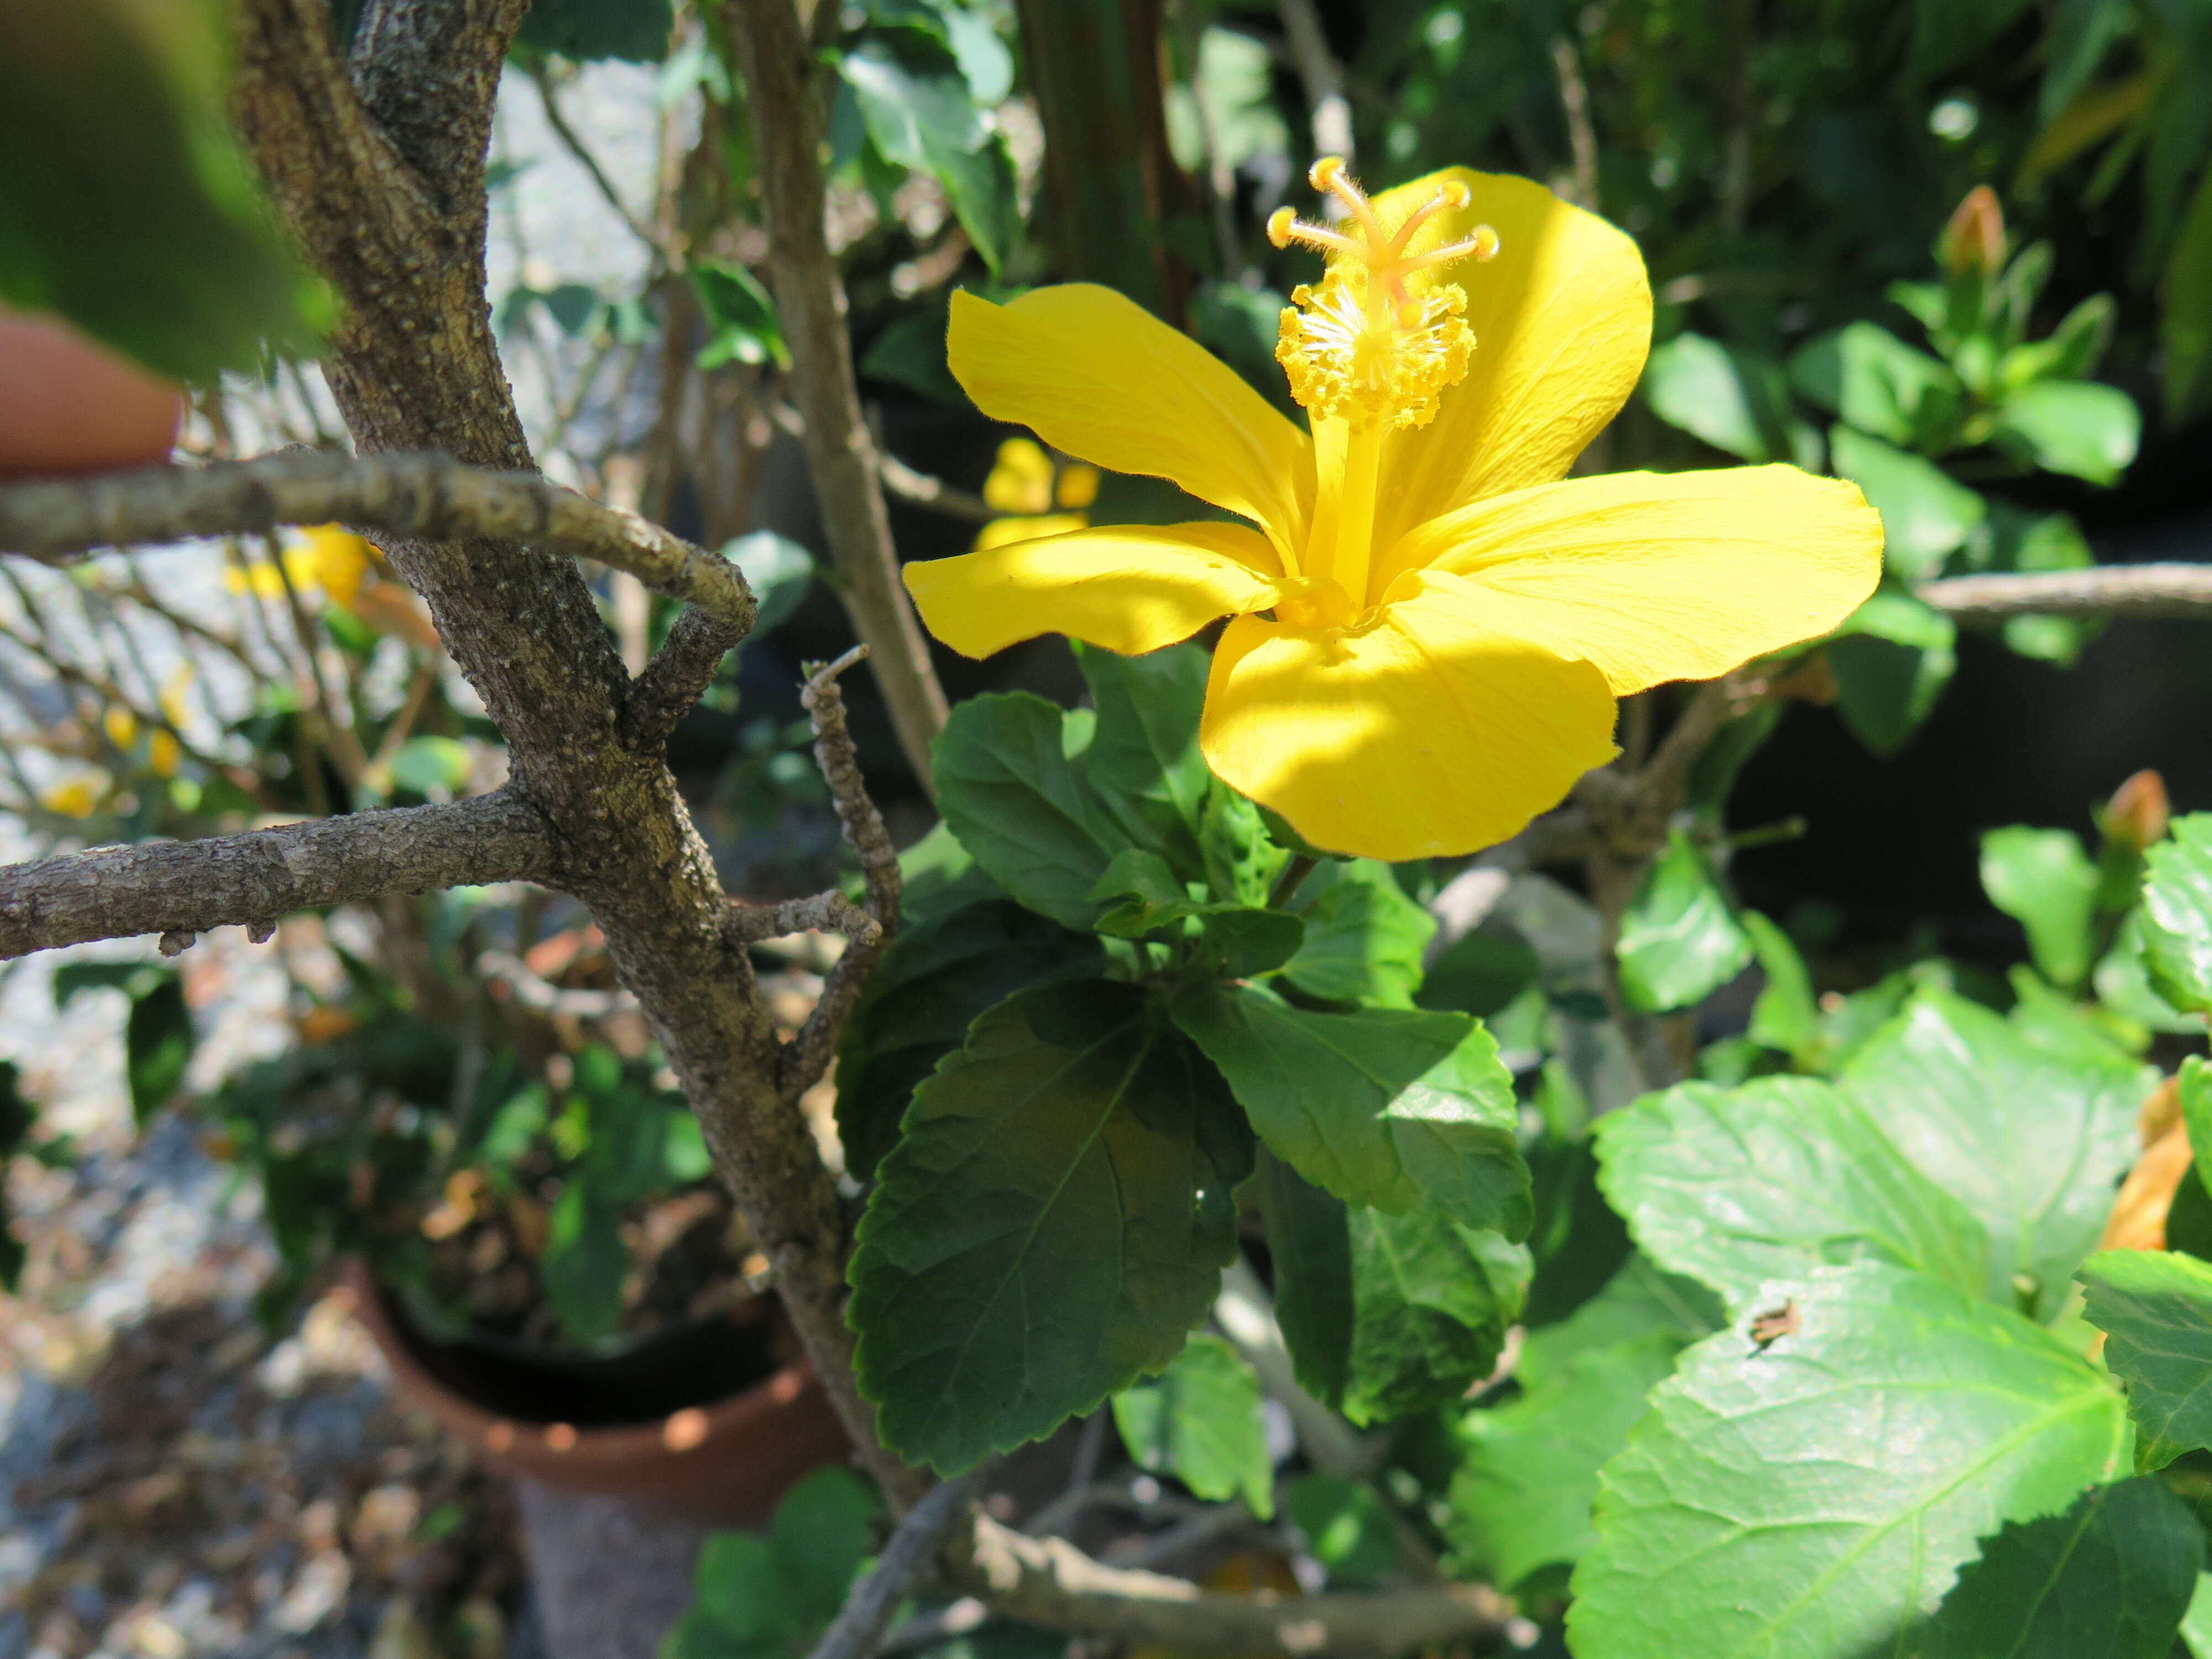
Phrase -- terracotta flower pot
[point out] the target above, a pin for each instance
(724, 1463)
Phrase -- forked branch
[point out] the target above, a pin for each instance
(429, 497)
(181, 888)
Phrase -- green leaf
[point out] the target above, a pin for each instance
(1880, 384)
(2197, 1623)
(1808, 1498)
(1364, 937)
(1140, 894)
(2034, 1146)
(2122, 982)
(1010, 793)
(1521, 1499)
(636, 31)
(2045, 881)
(767, 1596)
(1144, 759)
(2080, 427)
(1785, 1017)
(143, 222)
(910, 353)
(1641, 1299)
(1924, 514)
(1386, 1315)
(2155, 1307)
(1737, 1186)
(1242, 860)
(584, 1264)
(1679, 939)
(1052, 1220)
(823, 1530)
(2109, 1579)
(1383, 1108)
(777, 569)
(431, 766)
(920, 114)
(1200, 1421)
(1480, 973)
(2185, 312)
(1240, 943)
(1892, 659)
(1734, 400)
(157, 1032)
(741, 317)
(2176, 913)
(1347, 1526)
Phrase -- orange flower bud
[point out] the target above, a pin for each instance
(1975, 238)
(2136, 817)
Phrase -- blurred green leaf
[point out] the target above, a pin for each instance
(1347, 1526)
(910, 353)
(2185, 314)
(1200, 1421)
(1393, 1109)
(1881, 385)
(1811, 1537)
(1734, 400)
(2045, 881)
(584, 1263)
(2080, 427)
(1892, 659)
(1680, 939)
(778, 570)
(741, 315)
(920, 114)
(1068, 1170)
(142, 221)
(635, 30)
(431, 766)
(1925, 515)
(2032, 1144)
(1785, 1017)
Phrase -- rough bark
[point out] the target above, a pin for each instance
(187, 887)
(809, 298)
(381, 175)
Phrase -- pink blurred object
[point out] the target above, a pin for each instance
(70, 404)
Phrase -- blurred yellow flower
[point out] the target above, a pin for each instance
(1024, 485)
(176, 694)
(1429, 622)
(76, 798)
(121, 726)
(1021, 479)
(327, 558)
(163, 752)
(1003, 532)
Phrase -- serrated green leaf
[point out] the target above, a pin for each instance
(920, 1001)
(1810, 1499)
(2109, 1579)
(1200, 1421)
(1736, 1187)
(1680, 939)
(1383, 1108)
(1521, 1499)
(1023, 808)
(2176, 913)
(1385, 1314)
(1143, 760)
(1347, 1526)
(2155, 1307)
(2033, 1145)
(1052, 1221)
(1364, 937)
(1925, 515)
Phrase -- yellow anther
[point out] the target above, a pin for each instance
(1369, 344)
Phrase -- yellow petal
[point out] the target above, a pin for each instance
(1422, 733)
(1078, 486)
(1021, 479)
(1002, 532)
(1131, 588)
(1096, 375)
(1561, 321)
(1660, 576)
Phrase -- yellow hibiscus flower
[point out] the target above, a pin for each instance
(1430, 621)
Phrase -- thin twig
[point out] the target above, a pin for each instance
(1581, 136)
(582, 156)
(1048, 1582)
(821, 913)
(1321, 76)
(860, 1624)
(540, 995)
(2102, 590)
(807, 1055)
(938, 496)
(424, 496)
(253, 879)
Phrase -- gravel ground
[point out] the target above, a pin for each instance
(174, 1482)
